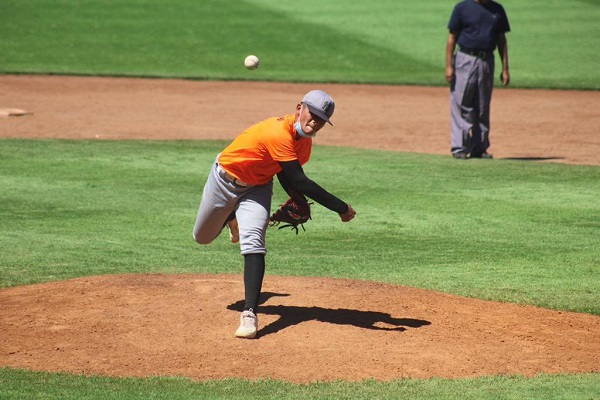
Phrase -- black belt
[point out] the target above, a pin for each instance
(475, 52)
(230, 178)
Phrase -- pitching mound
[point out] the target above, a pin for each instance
(312, 329)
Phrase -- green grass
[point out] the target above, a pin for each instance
(503, 230)
(553, 43)
(17, 384)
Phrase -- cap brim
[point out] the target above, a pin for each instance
(318, 113)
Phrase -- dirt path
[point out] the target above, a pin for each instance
(557, 126)
(311, 329)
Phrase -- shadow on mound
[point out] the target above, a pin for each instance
(294, 315)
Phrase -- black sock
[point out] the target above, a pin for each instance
(254, 271)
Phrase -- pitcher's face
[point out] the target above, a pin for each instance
(309, 123)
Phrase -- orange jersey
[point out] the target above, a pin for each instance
(253, 156)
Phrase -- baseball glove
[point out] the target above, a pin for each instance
(295, 211)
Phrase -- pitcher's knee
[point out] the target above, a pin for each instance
(252, 247)
(201, 239)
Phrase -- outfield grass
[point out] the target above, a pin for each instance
(553, 43)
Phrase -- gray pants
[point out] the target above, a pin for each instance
(470, 99)
(252, 206)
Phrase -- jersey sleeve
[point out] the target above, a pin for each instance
(455, 23)
(504, 25)
(280, 145)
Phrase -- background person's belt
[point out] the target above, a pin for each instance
(475, 52)
(230, 178)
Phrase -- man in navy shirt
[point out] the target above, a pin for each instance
(477, 27)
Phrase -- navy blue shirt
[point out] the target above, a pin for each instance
(478, 25)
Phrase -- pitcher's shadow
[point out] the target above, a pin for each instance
(294, 315)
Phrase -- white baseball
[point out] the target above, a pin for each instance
(251, 62)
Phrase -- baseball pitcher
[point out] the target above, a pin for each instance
(238, 191)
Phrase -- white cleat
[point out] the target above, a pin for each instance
(248, 325)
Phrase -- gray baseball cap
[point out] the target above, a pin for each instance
(320, 104)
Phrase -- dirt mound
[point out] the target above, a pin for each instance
(312, 329)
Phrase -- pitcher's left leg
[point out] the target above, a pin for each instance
(253, 218)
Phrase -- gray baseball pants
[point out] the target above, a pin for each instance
(470, 99)
(251, 205)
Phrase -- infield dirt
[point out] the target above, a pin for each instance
(312, 329)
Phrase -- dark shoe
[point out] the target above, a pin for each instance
(460, 155)
(483, 155)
